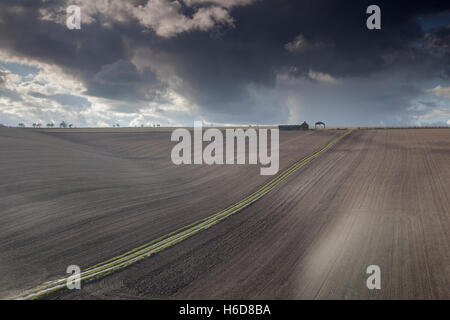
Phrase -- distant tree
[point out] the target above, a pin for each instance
(71, 126)
(38, 125)
(50, 125)
(34, 125)
(158, 125)
(21, 125)
(118, 125)
(63, 124)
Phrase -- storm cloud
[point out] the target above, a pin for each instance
(225, 62)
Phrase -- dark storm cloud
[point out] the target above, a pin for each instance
(218, 69)
(439, 39)
(225, 68)
(122, 81)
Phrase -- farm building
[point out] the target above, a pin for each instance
(303, 126)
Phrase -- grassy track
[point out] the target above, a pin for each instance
(176, 236)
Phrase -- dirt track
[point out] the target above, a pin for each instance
(83, 197)
(378, 197)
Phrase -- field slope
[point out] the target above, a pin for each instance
(74, 197)
(379, 197)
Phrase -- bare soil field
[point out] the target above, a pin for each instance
(378, 197)
(84, 196)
